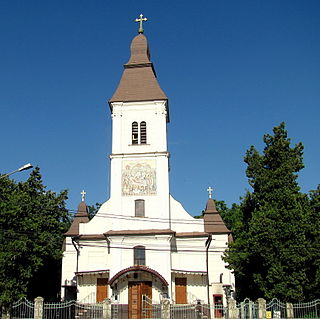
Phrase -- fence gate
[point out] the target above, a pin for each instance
(150, 309)
(22, 309)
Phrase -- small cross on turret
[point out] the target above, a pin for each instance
(83, 195)
(141, 19)
(210, 190)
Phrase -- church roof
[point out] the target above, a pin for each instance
(80, 217)
(139, 80)
(213, 223)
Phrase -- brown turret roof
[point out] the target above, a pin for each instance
(80, 217)
(139, 80)
(213, 223)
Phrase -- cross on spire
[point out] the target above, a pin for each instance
(210, 190)
(141, 20)
(83, 195)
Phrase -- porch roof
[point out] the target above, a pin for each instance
(92, 272)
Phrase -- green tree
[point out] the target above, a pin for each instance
(272, 249)
(93, 209)
(314, 266)
(32, 221)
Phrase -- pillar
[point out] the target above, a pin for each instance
(261, 308)
(38, 308)
(165, 308)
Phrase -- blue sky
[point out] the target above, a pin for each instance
(232, 71)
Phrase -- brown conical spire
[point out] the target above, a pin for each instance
(213, 223)
(139, 80)
(80, 217)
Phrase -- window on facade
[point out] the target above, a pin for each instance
(139, 253)
(143, 133)
(135, 134)
(139, 208)
(181, 290)
(139, 133)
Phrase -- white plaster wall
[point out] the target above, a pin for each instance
(190, 255)
(87, 289)
(156, 206)
(93, 256)
(181, 220)
(69, 262)
(152, 112)
(118, 214)
(196, 287)
(157, 253)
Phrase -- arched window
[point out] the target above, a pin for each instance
(135, 134)
(143, 132)
(139, 255)
(139, 208)
(139, 133)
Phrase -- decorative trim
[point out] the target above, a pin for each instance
(92, 272)
(189, 272)
(138, 268)
(142, 154)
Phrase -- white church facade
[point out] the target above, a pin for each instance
(142, 241)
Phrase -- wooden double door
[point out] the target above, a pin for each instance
(136, 290)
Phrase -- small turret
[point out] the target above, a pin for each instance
(80, 217)
(213, 223)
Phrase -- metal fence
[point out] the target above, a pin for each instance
(119, 311)
(275, 309)
(23, 308)
(307, 309)
(247, 309)
(150, 309)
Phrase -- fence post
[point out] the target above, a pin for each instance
(5, 313)
(38, 308)
(165, 308)
(106, 308)
(232, 309)
(262, 308)
(289, 307)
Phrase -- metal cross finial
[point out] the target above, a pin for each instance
(83, 194)
(209, 190)
(141, 19)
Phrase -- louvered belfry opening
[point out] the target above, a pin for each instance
(135, 133)
(143, 132)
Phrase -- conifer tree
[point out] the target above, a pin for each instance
(272, 251)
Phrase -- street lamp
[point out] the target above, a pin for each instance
(22, 168)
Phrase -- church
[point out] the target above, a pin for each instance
(142, 241)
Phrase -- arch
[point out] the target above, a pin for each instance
(143, 132)
(137, 268)
(135, 133)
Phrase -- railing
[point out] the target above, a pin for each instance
(307, 309)
(150, 309)
(278, 309)
(24, 309)
(247, 309)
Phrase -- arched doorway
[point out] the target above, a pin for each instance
(134, 282)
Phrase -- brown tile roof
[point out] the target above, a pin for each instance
(139, 80)
(213, 222)
(139, 232)
(91, 236)
(192, 234)
(80, 217)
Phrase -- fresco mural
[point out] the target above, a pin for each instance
(139, 178)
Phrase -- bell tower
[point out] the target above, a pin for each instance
(139, 159)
